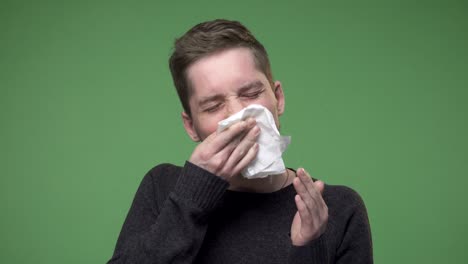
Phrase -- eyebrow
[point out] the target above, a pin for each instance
(243, 88)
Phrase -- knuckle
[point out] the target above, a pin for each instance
(242, 153)
(203, 155)
(217, 163)
(232, 147)
(226, 172)
(237, 128)
(309, 222)
(221, 173)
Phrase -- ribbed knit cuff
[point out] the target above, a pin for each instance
(314, 252)
(199, 186)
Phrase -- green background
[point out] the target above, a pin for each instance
(376, 99)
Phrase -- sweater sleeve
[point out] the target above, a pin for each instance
(169, 230)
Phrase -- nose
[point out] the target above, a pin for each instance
(234, 105)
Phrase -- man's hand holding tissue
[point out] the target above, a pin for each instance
(311, 218)
(226, 153)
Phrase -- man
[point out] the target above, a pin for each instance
(205, 211)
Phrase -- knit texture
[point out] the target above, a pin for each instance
(187, 215)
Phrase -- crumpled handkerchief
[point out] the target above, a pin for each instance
(271, 143)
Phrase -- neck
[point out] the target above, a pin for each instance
(271, 183)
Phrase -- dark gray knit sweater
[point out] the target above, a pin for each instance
(187, 215)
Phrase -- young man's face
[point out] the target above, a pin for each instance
(223, 84)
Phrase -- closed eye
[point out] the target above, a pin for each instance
(213, 108)
(252, 95)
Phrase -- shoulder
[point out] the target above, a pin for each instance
(345, 207)
(164, 171)
(164, 174)
(343, 202)
(348, 224)
(342, 195)
(160, 180)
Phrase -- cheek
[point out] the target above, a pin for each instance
(269, 104)
(207, 126)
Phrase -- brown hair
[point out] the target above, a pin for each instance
(205, 39)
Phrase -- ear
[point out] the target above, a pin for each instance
(279, 97)
(189, 128)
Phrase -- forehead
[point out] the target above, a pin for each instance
(223, 71)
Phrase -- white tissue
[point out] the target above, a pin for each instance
(271, 143)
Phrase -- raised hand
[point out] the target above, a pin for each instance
(311, 218)
(225, 154)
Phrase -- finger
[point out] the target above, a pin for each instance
(218, 141)
(237, 130)
(223, 138)
(305, 178)
(312, 225)
(314, 199)
(300, 187)
(302, 191)
(249, 157)
(317, 191)
(304, 213)
(315, 188)
(230, 154)
(320, 186)
(243, 147)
